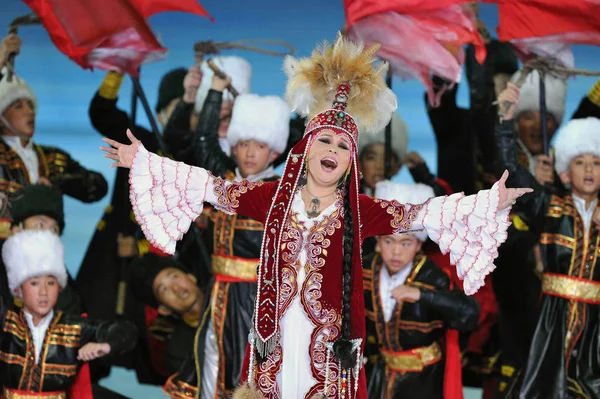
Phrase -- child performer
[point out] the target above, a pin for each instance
(41, 351)
(413, 311)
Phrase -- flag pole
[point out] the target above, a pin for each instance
(388, 154)
(544, 114)
(142, 96)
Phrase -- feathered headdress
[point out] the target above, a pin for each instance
(342, 74)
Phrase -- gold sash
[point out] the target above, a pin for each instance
(413, 360)
(14, 394)
(236, 268)
(568, 287)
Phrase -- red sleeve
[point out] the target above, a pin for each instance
(251, 199)
(382, 218)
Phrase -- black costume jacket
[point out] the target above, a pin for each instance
(236, 242)
(58, 364)
(516, 281)
(419, 327)
(564, 359)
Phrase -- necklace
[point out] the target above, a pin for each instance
(315, 203)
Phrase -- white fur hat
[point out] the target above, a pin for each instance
(264, 119)
(399, 137)
(405, 194)
(12, 91)
(556, 94)
(33, 253)
(577, 137)
(238, 69)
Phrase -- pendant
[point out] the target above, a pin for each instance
(314, 211)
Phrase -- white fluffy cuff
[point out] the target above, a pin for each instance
(471, 229)
(166, 197)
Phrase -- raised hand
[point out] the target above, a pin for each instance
(508, 196)
(508, 101)
(191, 83)
(121, 153)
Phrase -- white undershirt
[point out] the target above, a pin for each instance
(387, 284)
(38, 333)
(586, 214)
(27, 155)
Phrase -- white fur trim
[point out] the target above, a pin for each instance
(405, 194)
(577, 137)
(237, 68)
(264, 119)
(12, 91)
(33, 253)
(399, 137)
(556, 95)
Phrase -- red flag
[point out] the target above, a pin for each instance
(547, 27)
(418, 38)
(107, 34)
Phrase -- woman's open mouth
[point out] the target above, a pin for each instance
(329, 164)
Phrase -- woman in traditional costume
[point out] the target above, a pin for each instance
(309, 321)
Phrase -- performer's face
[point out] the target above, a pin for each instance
(176, 290)
(38, 222)
(398, 251)
(583, 176)
(40, 295)
(21, 116)
(253, 157)
(328, 157)
(372, 165)
(530, 130)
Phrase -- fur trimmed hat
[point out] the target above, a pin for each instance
(33, 253)
(265, 119)
(405, 194)
(577, 137)
(237, 68)
(12, 91)
(399, 138)
(556, 94)
(38, 199)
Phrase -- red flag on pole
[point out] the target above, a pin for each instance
(107, 34)
(418, 38)
(547, 28)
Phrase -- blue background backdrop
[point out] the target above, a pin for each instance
(64, 90)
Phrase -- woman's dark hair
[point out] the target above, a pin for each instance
(343, 347)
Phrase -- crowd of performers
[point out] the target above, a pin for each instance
(367, 301)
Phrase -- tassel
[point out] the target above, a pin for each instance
(343, 349)
(247, 392)
(265, 348)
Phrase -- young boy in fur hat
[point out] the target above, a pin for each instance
(372, 160)
(42, 350)
(410, 305)
(257, 134)
(40, 207)
(164, 284)
(564, 352)
(24, 162)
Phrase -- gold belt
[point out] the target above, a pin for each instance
(568, 287)
(413, 360)
(14, 394)
(235, 268)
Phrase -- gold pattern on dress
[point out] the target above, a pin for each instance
(241, 268)
(558, 239)
(412, 360)
(571, 288)
(12, 394)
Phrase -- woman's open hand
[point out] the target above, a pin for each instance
(508, 196)
(123, 154)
